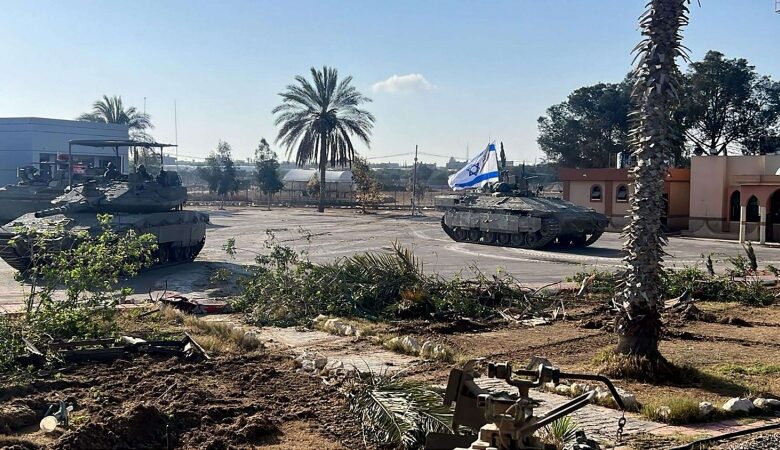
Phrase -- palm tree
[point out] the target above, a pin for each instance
(654, 136)
(318, 119)
(111, 110)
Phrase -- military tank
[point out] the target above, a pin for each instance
(138, 201)
(32, 192)
(506, 216)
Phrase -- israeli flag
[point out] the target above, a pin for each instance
(482, 169)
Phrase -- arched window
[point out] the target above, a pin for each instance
(734, 207)
(621, 195)
(595, 193)
(752, 210)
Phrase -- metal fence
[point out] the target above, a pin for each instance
(392, 199)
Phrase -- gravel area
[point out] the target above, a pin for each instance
(769, 441)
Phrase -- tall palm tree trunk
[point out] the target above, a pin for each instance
(323, 163)
(654, 135)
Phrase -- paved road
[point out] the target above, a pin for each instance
(344, 232)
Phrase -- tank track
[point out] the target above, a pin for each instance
(10, 255)
(593, 238)
(537, 240)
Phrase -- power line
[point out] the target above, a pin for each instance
(391, 156)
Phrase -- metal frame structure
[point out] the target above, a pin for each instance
(115, 144)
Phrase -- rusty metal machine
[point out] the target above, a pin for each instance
(499, 420)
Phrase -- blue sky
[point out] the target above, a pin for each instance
(479, 69)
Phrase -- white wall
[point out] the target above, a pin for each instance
(24, 139)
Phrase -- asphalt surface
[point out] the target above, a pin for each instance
(342, 232)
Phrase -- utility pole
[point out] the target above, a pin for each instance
(414, 181)
(176, 134)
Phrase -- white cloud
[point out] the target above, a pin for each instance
(403, 83)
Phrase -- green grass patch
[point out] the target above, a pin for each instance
(666, 373)
(675, 410)
(757, 369)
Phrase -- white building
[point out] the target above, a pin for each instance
(28, 141)
(335, 180)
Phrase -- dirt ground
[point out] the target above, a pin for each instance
(734, 360)
(258, 400)
(248, 401)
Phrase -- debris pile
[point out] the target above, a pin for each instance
(108, 349)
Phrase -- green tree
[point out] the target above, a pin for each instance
(267, 170)
(439, 177)
(318, 120)
(655, 136)
(219, 172)
(368, 191)
(112, 110)
(588, 128)
(728, 106)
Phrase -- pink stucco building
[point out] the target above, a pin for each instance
(736, 197)
(608, 191)
(729, 197)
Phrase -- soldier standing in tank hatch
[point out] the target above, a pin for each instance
(111, 172)
(143, 173)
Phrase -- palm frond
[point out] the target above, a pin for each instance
(112, 110)
(398, 411)
(561, 432)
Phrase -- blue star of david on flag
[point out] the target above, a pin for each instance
(480, 170)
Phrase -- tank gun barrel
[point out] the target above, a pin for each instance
(68, 207)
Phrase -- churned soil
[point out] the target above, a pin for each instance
(253, 400)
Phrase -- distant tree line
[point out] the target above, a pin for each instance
(725, 107)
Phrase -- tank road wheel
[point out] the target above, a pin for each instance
(579, 241)
(518, 240)
(189, 253)
(504, 239)
(474, 235)
(459, 233)
(178, 253)
(533, 239)
(163, 254)
(489, 237)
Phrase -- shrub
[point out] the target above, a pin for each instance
(285, 288)
(74, 292)
(602, 281)
(695, 281)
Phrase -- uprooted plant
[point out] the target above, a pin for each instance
(75, 289)
(286, 288)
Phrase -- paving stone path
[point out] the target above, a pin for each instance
(597, 421)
